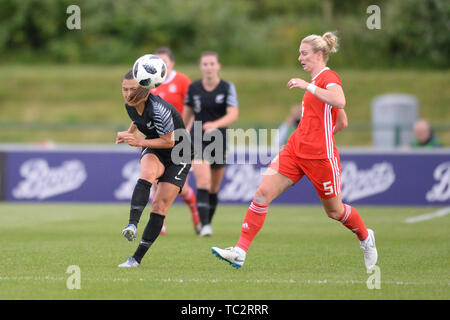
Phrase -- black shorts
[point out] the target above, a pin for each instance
(219, 161)
(216, 161)
(173, 173)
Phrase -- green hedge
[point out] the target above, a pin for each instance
(414, 33)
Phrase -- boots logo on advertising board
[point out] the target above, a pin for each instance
(441, 190)
(130, 172)
(358, 184)
(42, 181)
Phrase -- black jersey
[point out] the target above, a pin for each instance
(158, 118)
(211, 105)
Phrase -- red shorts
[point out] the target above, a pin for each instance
(325, 174)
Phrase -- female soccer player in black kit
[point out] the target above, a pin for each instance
(212, 103)
(157, 120)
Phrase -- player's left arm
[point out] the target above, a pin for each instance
(232, 111)
(231, 116)
(341, 121)
(333, 95)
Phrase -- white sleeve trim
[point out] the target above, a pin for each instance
(232, 99)
(330, 84)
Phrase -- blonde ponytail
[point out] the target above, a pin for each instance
(332, 41)
(326, 43)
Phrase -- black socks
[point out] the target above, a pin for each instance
(212, 205)
(206, 204)
(151, 232)
(139, 200)
(203, 205)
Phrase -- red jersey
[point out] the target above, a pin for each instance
(174, 89)
(313, 138)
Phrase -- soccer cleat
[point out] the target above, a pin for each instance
(206, 231)
(163, 230)
(370, 250)
(130, 232)
(130, 263)
(233, 255)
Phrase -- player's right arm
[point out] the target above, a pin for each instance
(188, 117)
(121, 134)
(188, 109)
(332, 94)
(165, 141)
(132, 128)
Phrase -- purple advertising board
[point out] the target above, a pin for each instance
(367, 177)
(2, 176)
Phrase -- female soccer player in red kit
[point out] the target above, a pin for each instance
(174, 90)
(310, 151)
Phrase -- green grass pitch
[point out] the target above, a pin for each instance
(299, 254)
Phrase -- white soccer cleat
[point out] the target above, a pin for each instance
(130, 232)
(206, 231)
(130, 263)
(233, 255)
(370, 250)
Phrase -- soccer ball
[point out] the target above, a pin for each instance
(149, 71)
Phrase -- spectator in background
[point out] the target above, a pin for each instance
(424, 135)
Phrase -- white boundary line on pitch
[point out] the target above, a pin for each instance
(290, 281)
(440, 213)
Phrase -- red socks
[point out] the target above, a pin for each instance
(191, 200)
(256, 214)
(352, 220)
(253, 222)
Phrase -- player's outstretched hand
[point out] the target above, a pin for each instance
(297, 83)
(132, 140)
(120, 135)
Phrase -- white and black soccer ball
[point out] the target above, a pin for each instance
(149, 71)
